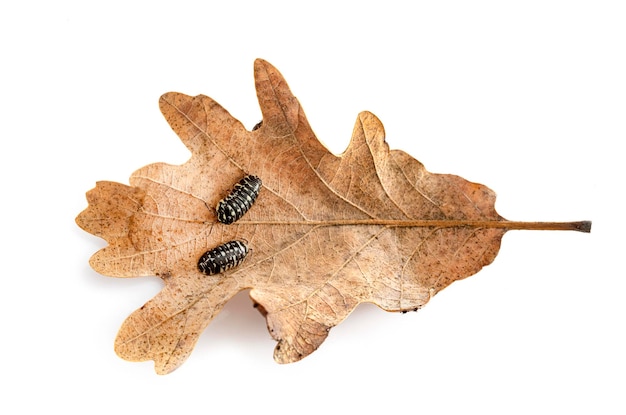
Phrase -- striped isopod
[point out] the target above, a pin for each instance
(223, 258)
(236, 204)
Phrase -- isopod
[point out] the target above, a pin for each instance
(223, 258)
(236, 204)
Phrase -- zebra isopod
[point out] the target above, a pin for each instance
(236, 204)
(223, 258)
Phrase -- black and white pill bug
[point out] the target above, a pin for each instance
(236, 204)
(223, 258)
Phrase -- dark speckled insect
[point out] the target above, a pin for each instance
(223, 258)
(236, 204)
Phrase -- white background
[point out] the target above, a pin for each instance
(525, 97)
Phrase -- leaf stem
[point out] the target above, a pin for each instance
(580, 226)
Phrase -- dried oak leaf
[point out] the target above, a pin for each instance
(326, 233)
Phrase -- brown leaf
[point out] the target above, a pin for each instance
(326, 232)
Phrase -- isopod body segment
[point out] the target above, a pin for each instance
(223, 258)
(239, 200)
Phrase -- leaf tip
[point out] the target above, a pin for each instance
(284, 354)
(262, 64)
